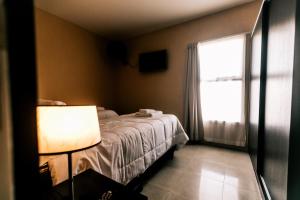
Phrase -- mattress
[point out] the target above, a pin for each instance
(129, 146)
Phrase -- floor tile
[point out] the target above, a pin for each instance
(241, 178)
(204, 173)
(210, 189)
(156, 193)
(235, 193)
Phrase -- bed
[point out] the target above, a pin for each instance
(130, 146)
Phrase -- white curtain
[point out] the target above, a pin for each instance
(222, 70)
(192, 115)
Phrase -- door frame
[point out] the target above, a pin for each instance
(19, 16)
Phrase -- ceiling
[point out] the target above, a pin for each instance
(129, 18)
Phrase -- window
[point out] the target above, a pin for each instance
(222, 80)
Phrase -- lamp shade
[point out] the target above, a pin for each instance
(67, 128)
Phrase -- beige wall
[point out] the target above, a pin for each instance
(72, 67)
(165, 90)
(71, 64)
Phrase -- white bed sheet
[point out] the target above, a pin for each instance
(129, 146)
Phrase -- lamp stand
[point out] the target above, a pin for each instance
(71, 185)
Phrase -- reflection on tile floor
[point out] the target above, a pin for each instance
(204, 173)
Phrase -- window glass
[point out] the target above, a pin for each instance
(221, 69)
(222, 58)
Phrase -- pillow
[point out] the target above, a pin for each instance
(46, 102)
(105, 114)
(100, 108)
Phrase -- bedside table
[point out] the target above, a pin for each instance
(90, 185)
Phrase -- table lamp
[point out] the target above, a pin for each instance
(65, 130)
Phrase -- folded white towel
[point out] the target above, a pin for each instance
(146, 111)
(153, 114)
(139, 114)
(156, 114)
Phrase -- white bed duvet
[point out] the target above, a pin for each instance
(129, 146)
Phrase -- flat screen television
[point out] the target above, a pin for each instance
(153, 61)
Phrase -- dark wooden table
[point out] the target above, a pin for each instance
(91, 185)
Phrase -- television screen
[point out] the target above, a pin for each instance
(153, 61)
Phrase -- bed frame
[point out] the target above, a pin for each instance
(136, 184)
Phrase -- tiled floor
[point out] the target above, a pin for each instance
(204, 173)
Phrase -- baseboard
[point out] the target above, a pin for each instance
(264, 188)
(260, 187)
(213, 144)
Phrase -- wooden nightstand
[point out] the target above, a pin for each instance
(91, 185)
